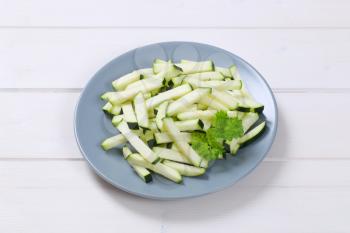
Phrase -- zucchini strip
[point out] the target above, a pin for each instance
(199, 114)
(129, 115)
(187, 100)
(162, 138)
(168, 95)
(125, 80)
(185, 170)
(181, 142)
(141, 111)
(190, 67)
(213, 103)
(149, 84)
(161, 114)
(142, 172)
(168, 172)
(225, 98)
(170, 154)
(137, 143)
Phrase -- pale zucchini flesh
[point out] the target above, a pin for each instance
(168, 95)
(125, 80)
(129, 115)
(180, 142)
(141, 111)
(170, 154)
(184, 169)
(199, 114)
(161, 113)
(196, 67)
(137, 143)
(213, 103)
(162, 138)
(168, 172)
(187, 100)
(113, 142)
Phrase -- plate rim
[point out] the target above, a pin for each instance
(120, 187)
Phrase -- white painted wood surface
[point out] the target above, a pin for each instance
(50, 49)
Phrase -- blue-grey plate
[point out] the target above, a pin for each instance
(92, 125)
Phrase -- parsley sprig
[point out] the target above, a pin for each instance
(210, 145)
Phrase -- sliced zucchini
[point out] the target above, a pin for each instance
(187, 100)
(170, 70)
(113, 142)
(117, 119)
(201, 107)
(148, 138)
(213, 103)
(252, 134)
(146, 82)
(234, 73)
(161, 114)
(181, 142)
(217, 84)
(168, 172)
(146, 72)
(191, 67)
(170, 154)
(184, 169)
(224, 71)
(137, 143)
(162, 138)
(249, 105)
(143, 173)
(153, 126)
(199, 114)
(174, 147)
(141, 111)
(225, 98)
(126, 152)
(129, 115)
(149, 84)
(234, 146)
(206, 124)
(249, 137)
(176, 81)
(109, 108)
(189, 125)
(193, 107)
(124, 81)
(235, 114)
(249, 120)
(168, 95)
(204, 76)
(106, 95)
(147, 95)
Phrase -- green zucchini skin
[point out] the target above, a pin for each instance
(255, 136)
(258, 109)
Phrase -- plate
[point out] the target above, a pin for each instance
(92, 125)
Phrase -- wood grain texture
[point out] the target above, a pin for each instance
(40, 125)
(67, 58)
(56, 196)
(157, 13)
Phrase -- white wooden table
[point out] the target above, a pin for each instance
(50, 49)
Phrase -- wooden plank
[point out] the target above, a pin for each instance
(67, 58)
(294, 196)
(40, 125)
(198, 13)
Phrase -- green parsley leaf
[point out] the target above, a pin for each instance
(210, 145)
